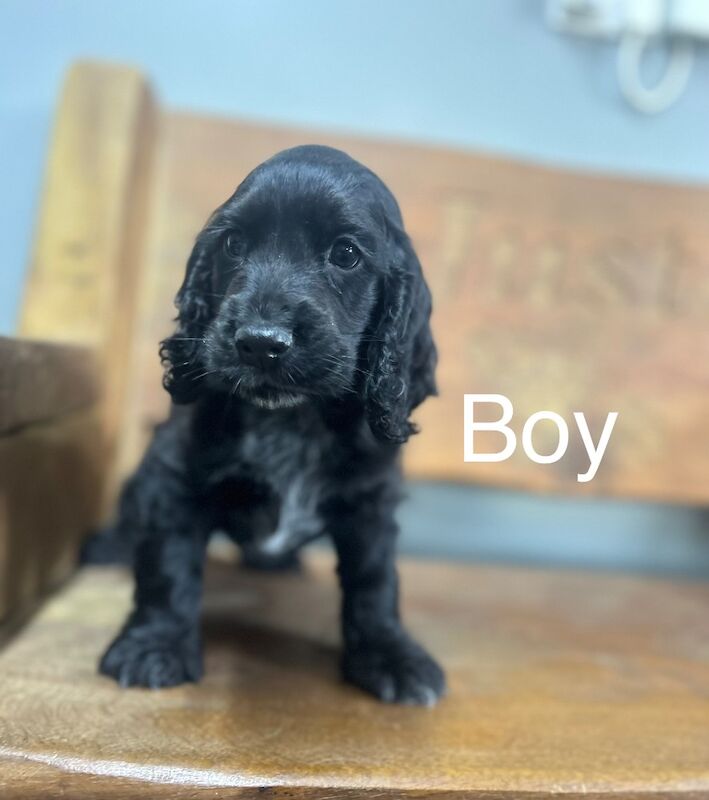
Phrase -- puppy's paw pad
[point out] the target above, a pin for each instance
(398, 673)
(139, 658)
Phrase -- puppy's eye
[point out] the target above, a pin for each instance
(345, 254)
(234, 245)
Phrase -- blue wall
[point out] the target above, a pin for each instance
(484, 74)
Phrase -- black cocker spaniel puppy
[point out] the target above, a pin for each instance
(302, 346)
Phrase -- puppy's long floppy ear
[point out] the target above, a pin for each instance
(402, 355)
(181, 353)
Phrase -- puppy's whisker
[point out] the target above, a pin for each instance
(194, 369)
(362, 337)
(344, 387)
(333, 360)
(235, 388)
(203, 374)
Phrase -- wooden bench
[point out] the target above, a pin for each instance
(578, 684)
(560, 290)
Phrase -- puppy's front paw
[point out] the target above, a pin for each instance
(148, 655)
(396, 672)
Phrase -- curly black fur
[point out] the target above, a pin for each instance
(290, 448)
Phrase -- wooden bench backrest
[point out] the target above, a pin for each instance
(562, 291)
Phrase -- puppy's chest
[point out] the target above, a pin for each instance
(285, 463)
(280, 458)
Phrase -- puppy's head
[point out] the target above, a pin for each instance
(304, 285)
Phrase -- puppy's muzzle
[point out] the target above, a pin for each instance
(262, 345)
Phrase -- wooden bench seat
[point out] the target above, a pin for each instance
(580, 684)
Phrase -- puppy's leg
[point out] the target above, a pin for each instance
(159, 645)
(379, 655)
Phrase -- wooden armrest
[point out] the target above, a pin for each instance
(43, 381)
(50, 465)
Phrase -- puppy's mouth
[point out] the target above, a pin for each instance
(260, 390)
(272, 397)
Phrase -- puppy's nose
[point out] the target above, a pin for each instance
(261, 345)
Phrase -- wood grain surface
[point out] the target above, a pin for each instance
(40, 381)
(562, 291)
(561, 683)
(50, 482)
(51, 462)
